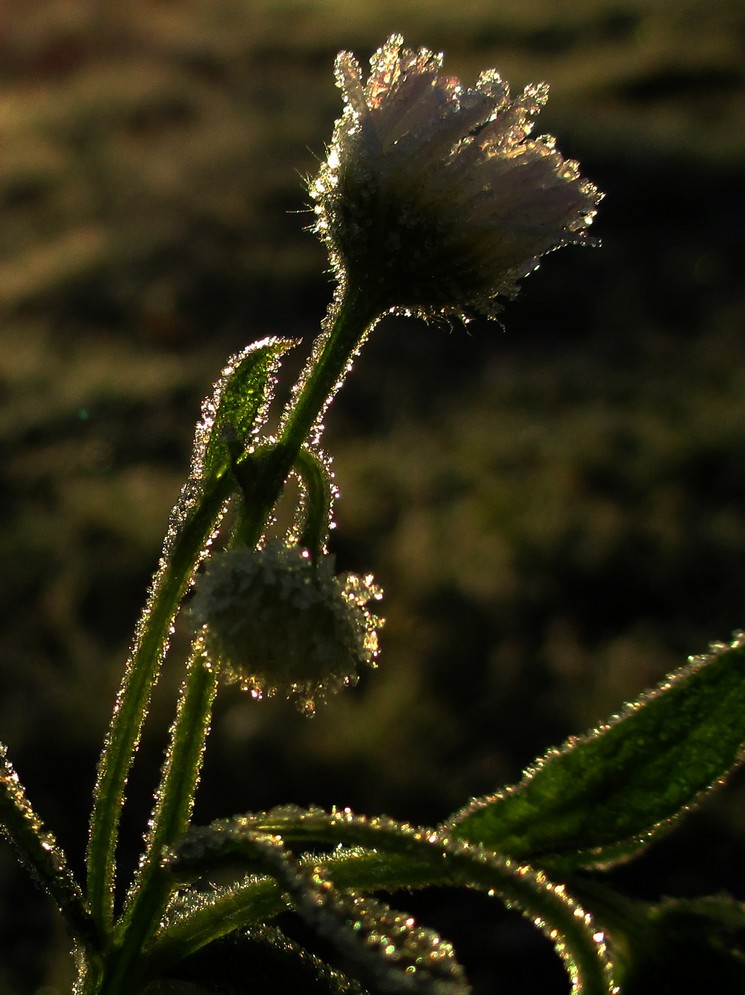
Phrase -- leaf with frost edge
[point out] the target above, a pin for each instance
(238, 403)
(378, 945)
(39, 851)
(385, 856)
(555, 814)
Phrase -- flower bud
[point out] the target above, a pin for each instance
(277, 621)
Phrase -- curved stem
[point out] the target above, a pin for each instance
(318, 502)
(236, 908)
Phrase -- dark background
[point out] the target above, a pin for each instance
(555, 508)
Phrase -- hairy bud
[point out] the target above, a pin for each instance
(278, 622)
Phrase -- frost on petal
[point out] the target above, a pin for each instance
(433, 193)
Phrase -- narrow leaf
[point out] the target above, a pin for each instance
(39, 852)
(237, 405)
(385, 949)
(606, 795)
(696, 944)
(399, 856)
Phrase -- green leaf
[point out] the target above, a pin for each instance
(236, 407)
(395, 856)
(385, 949)
(606, 795)
(39, 851)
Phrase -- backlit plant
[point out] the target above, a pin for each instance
(434, 200)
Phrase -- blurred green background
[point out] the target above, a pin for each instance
(555, 508)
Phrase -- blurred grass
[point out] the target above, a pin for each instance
(555, 510)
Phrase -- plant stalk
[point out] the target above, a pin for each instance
(348, 324)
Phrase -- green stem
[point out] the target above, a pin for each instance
(152, 887)
(546, 904)
(170, 585)
(626, 920)
(348, 325)
(318, 502)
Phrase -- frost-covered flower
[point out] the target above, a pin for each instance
(433, 196)
(277, 622)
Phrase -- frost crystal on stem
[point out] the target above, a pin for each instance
(432, 191)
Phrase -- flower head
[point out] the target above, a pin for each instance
(432, 191)
(276, 621)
